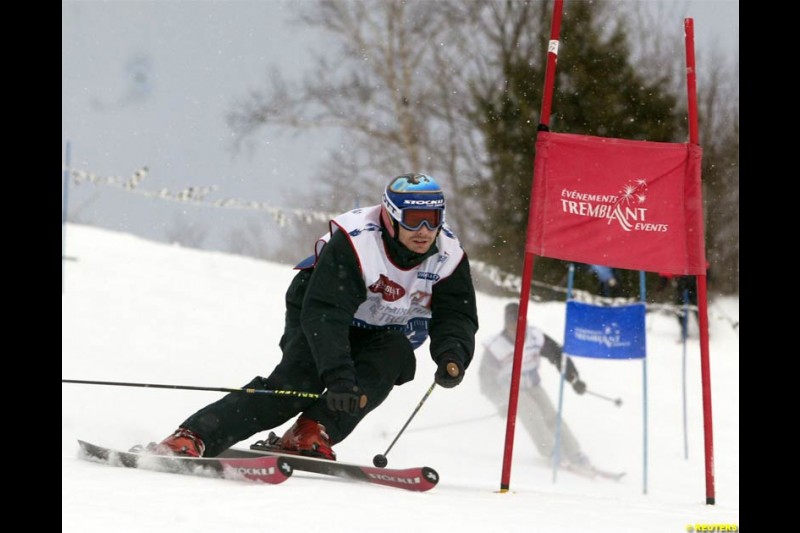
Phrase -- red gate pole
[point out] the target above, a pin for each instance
(527, 269)
(702, 297)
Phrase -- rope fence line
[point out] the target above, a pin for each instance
(198, 196)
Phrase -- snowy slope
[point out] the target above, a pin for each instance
(134, 310)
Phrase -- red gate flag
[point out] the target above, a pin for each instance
(625, 204)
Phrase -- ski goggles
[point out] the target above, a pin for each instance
(414, 219)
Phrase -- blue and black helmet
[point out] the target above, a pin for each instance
(414, 200)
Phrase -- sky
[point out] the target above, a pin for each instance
(137, 310)
(148, 84)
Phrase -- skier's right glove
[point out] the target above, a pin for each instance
(344, 395)
(450, 372)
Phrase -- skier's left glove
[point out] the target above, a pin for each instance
(344, 395)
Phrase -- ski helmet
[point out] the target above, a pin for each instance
(414, 200)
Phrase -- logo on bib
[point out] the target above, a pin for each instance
(390, 291)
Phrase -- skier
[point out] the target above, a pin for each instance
(536, 410)
(608, 280)
(380, 282)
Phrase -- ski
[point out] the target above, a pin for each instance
(593, 473)
(418, 479)
(614, 476)
(266, 469)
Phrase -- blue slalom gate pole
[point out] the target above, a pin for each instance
(557, 448)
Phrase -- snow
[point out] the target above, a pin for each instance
(139, 311)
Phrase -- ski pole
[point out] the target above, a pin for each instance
(299, 394)
(617, 401)
(380, 460)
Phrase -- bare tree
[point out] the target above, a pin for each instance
(400, 91)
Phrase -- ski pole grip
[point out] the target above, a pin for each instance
(452, 369)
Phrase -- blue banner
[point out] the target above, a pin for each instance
(605, 332)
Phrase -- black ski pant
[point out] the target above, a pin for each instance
(382, 359)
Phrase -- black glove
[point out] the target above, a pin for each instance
(579, 386)
(344, 395)
(450, 372)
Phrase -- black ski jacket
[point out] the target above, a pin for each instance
(335, 289)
